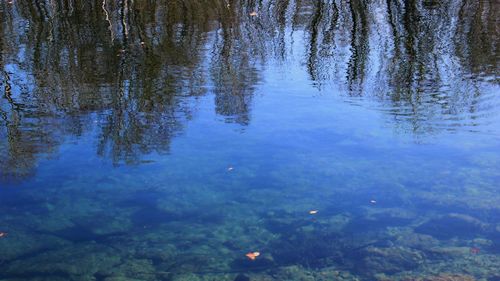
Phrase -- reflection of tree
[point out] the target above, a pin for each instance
(359, 42)
(476, 38)
(426, 88)
(405, 54)
(134, 67)
(130, 67)
(232, 68)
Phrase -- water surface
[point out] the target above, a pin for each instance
(166, 140)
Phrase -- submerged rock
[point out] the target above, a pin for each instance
(448, 252)
(443, 277)
(390, 260)
(81, 260)
(415, 240)
(242, 277)
(453, 225)
(299, 273)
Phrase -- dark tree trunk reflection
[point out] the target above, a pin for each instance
(135, 67)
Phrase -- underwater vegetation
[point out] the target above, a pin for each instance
(160, 235)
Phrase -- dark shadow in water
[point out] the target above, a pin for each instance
(80, 233)
(308, 242)
(454, 225)
(364, 225)
(151, 216)
(142, 198)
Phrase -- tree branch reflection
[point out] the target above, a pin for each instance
(135, 67)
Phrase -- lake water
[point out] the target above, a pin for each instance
(250, 140)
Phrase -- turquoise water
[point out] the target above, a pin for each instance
(140, 144)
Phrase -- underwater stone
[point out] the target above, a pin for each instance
(141, 269)
(444, 277)
(187, 277)
(482, 242)
(82, 260)
(24, 244)
(453, 225)
(242, 277)
(390, 260)
(299, 273)
(447, 252)
(415, 240)
(294, 273)
(121, 278)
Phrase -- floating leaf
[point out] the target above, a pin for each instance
(252, 255)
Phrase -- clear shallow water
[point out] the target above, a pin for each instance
(216, 136)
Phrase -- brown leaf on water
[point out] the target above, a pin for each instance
(252, 255)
